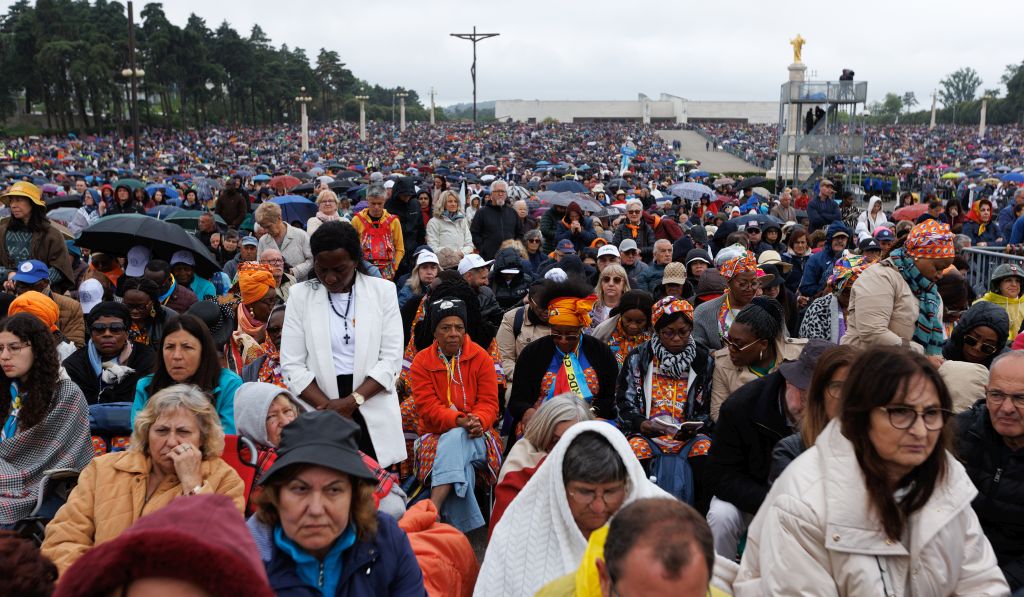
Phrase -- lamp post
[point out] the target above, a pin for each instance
(401, 110)
(362, 98)
(133, 75)
(209, 87)
(304, 99)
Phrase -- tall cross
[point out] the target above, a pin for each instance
(474, 37)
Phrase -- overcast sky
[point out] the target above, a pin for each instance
(602, 49)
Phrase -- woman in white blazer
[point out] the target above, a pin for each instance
(449, 227)
(341, 346)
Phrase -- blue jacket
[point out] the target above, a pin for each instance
(203, 288)
(581, 239)
(823, 213)
(819, 266)
(223, 395)
(993, 232)
(1017, 234)
(1005, 218)
(386, 566)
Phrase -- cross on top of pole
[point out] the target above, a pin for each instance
(474, 37)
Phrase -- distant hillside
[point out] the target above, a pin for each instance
(464, 111)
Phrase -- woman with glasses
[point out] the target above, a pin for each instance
(877, 506)
(712, 320)
(327, 211)
(611, 286)
(663, 400)
(587, 477)
(44, 416)
(533, 240)
(567, 360)
(635, 227)
(110, 364)
(979, 335)
(142, 297)
(628, 325)
(825, 317)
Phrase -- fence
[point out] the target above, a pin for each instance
(982, 262)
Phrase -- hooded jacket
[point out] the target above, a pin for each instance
(493, 225)
(252, 401)
(866, 225)
(509, 294)
(1013, 307)
(580, 240)
(408, 213)
(980, 314)
(819, 266)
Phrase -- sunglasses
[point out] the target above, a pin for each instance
(614, 279)
(101, 328)
(733, 345)
(984, 347)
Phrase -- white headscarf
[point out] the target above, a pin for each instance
(537, 540)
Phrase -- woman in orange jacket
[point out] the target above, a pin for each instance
(455, 390)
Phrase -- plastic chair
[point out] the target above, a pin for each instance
(241, 453)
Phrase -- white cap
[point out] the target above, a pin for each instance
(608, 250)
(90, 294)
(427, 257)
(138, 259)
(183, 256)
(471, 262)
(388, 184)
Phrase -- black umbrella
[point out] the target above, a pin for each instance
(115, 235)
(63, 201)
(746, 183)
(347, 174)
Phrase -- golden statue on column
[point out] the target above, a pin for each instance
(798, 44)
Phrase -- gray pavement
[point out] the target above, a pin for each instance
(712, 161)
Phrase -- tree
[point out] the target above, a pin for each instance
(909, 100)
(959, 86)
(1010, 72)
(992, 93)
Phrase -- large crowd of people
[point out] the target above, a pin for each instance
(493, 361)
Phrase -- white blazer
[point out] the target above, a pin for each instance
(306, 354)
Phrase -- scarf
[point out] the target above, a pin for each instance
(453, 216)
(568, 368)
(247, 324)
(928, 331)
(270, 369)
(11, 424)
(326, 218)
(723, 314)
(139, 334)
(98, 364)
(676, 366)
(163, 298)
(621, 344)
(634, 229)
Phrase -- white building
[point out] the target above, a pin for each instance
(666, 109)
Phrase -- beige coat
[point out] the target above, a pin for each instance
(111, 496)
(883, 311)
(814, 535)
(728, 377)
(510, 345)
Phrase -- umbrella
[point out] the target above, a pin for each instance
(570, 186)
(615, 184)
(131, 183)
(698, 173)
(260, 178)
(117, 234)
(721, 182)
(284, 182)
(63, 215)
(169, 191)
(63, 201)
(295, 208)
(347, 174)
(585, 202)
(991, 181)
(910, 212)
(979, 161)
(162, 212)
(762, 219)
(1013, 177)
(691, 191)
(516, 193)
(751, 182)
(762, 192)
(189, 219)
(952, 175)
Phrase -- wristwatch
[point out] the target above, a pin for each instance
(359, 398)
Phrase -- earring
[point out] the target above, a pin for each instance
(152, 311)
(762, 354)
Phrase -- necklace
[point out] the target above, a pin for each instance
(344, 316)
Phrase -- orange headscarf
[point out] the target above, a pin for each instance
(571, 311)
(254, 279)
(37, 304)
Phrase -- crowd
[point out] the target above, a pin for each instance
(472, 345)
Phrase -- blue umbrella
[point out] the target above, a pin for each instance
(697, 173)
(543, 163)
(1013, 177)
(567, 186)
(265, 178)
(162, 212)
(295, 208)
(169, 191)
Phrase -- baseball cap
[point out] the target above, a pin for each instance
(870, 244)
(675, 273)
(31, 271)
(826, 183)
(471, 262)
(799, 372)
(90, 294)
(565, 246)
(427, 257)
(607, 250)
(628, 245)
(884, 234)
(184, 257)
(138, 258)
(250, 241)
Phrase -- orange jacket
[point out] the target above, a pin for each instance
(444, 554)
(431, 390)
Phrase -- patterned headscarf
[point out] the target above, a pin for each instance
(571, 311)
(254, 279)
(930, 240)
(37, 304)
(846, 271)
(669, 306)
(746, 262)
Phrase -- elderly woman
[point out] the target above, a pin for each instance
(110, 365)
(712, 320)
(27, 234)
(45, 420)
(175, 451)
(1004, 291)
(449, 227)
(628, 325)
(611, 285)
(317, 528)
(455, 390)
(291, 241)
(634, 227)
(380, 233)
(589, 474)
(825, 317)
(258, 291)
(426, 269)
(330, 362)
(149, 317)
(877, 505)
(663, 398)
(979, 336)
(188, 355)
(567, 360)
(980, 226)
(546, 428)
(326, 211)
(896, 302)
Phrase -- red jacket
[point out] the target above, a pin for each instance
(478, 394)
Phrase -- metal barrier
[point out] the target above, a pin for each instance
(981, 262)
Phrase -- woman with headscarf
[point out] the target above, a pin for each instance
(257, 289)
(664, 397)
(897, 302)
(45, 310)
(142, 297)
(979, 336)
(711, 320)
(266, 368)
(628, 325)
(567, 360)
(825, 317)
(456, 396)
(980, 225)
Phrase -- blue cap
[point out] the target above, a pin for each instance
(31, 271)
(884, 234)
(565, 246)
(251, 241)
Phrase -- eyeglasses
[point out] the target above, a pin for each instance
(996, 397)
(610, 497)
(561, 336)
(273, 261)
(745, 284)
(14, 348)
(634, 211)
(101, 328)
(733, 345)
(615, 279)
(533, 240)
(984, 347)
(667, 333)
(904, 417)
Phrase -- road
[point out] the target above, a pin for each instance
(712, 161)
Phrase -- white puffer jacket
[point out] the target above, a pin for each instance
(814, 535)
(866, 225)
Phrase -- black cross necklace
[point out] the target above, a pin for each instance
(344, 317)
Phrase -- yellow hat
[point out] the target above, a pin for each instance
(24, 189)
